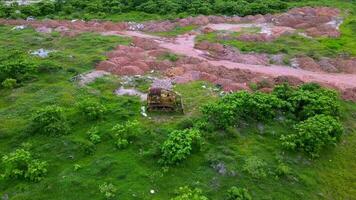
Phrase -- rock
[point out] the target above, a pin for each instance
(131, 70)
(146, 44)
(207, 30)
(220, 168)
(349, 94)
(291, 80)
(175, 71)
(106, 66)
(308, 63)
(277, 59)
(44, 29)
(327, 65)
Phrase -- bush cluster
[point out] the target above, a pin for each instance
(91, 109)
(316, 109)
(123, 133)
(243, 106)
(93, 135)
(314, 134)
(235, 193)
(50, 121)
(179, 145)
(21, 165)
(255, 167)
(16, 65)
(108, 189)
(104, 7)
(186, 193)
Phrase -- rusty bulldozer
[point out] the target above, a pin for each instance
(159, 99)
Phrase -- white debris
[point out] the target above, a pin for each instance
(336, 23)
(143, 111)
(131, 92)
(304, 35)
(152, 191)
(43, 53)
(21, 27)
(30, 18)
(266, 29)
(44, 29)
(294, 63)
(133, 26)
(91, 76)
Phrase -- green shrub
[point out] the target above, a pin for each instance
(283, 170)
(91, 109)
(50, 121)
(314, 134)
(16, 65)
(243, 106)
(87, 147)
(309, 100)
(219, 114)
(49, 67)
(123, 133)
(20, 164)
(93, 135)
(255, 167)
(108, 189)
(179, 145)
(186, 193)
(235, 193)
(9, 83)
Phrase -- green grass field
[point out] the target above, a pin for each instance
(135, 170)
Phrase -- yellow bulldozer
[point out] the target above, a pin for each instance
(159, 99)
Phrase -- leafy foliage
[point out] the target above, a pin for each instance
(16, 65)
(20, 164)
(179, 145)
(314, 134)
(91, 109)
(255, 167)
(93, 135)
(108, 189)
(186, 193)
(235, 193)
(123, 133)
(103, 7)
(310, 100)
(243, 106)
(9, 83)
(50, 121)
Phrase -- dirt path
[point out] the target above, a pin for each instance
(184, 45)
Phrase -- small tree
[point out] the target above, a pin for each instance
(20, 164)
(123, 133)
(50, 121)
(255, 167)
(9, 83)
(314, 134)
(179, 145)
(92, 110)
(108, 189)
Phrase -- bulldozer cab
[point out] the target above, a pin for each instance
(159, 99)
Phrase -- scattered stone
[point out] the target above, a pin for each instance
(89, 77)
(43, 53)
(21, 27)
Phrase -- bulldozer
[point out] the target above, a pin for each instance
(160, 99)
